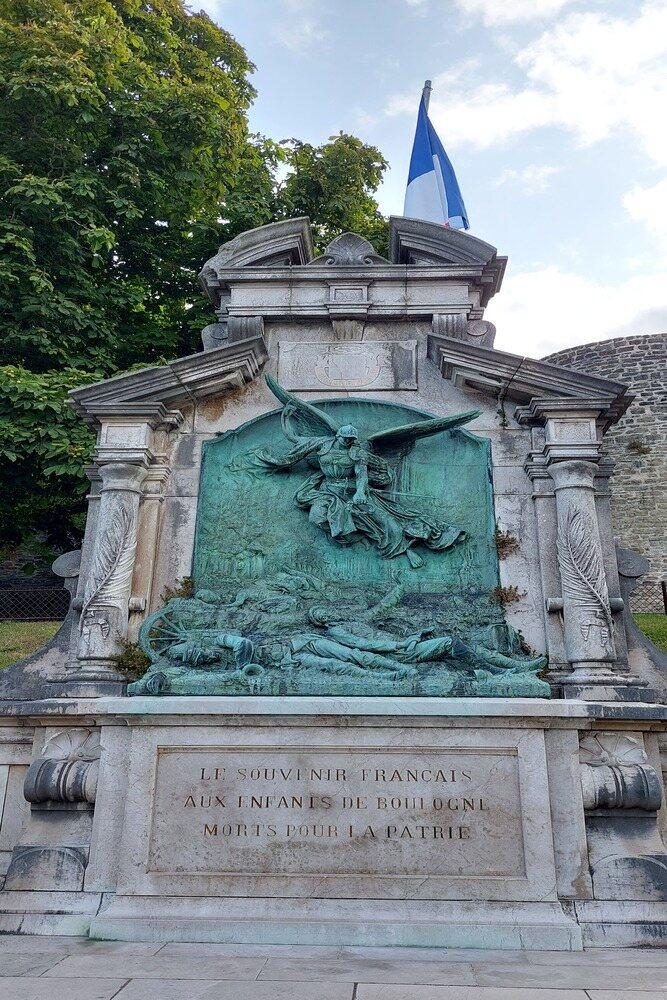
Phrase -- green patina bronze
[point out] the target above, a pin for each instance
(342, 548)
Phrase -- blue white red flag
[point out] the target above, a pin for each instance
(433, 192)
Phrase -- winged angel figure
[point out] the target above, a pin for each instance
(349, 496)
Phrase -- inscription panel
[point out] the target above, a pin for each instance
(337, 812)
(367, 365)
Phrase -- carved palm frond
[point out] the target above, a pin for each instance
(112, 563)
(580, 559)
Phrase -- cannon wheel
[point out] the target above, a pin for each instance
(159, 631)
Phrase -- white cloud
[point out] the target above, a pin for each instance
(301, 34)
(649, 205)
(495, 12)
(593, 75)
(302, 28)
(538, 312)
(531, 179)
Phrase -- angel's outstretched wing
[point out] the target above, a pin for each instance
(400, 438)
(301, 419)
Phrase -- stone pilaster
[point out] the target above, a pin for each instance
(570, 454)
(106, 598)
(587, 616)
(148, 540)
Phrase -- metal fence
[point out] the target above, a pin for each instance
(33, 605)
(649, 598)
(51, 604)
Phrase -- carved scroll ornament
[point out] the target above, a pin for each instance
(615, 773)
(67, 770)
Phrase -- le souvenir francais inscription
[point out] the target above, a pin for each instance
(337, 812)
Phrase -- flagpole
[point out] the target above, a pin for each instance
(426, 94)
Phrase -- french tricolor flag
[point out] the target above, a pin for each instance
(433, 192)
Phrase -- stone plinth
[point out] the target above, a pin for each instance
(340, 821)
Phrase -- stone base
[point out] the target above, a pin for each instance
(416, 822)
(622, 924)
(624, 693)
(95, 679)
(350, 922)
(67, 913)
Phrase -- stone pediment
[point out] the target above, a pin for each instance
(156, 393)
(261, 262)
(419, 243)
(280, 244)
(521, 379)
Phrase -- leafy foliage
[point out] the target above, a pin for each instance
(125, 160)
(131, 662)
(334, 185)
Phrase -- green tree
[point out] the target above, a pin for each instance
(125, 160)
(334, 185)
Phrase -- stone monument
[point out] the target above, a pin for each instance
(368, 565)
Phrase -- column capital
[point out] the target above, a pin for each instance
(573, 474)
(542, 409)
(126, 477)
(572, 427)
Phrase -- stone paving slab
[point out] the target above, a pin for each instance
(570, 977)
(24, 964)
(640, 958)
(49, 968)
(362, 970)
(175, 989)
(463, 993)
(625, 995)
(63, 989)
(155, 967)
(31, 943)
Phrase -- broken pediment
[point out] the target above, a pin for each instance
(279, 244)
(157, 393)
(521, 379)
(419, 243)
(357, 292)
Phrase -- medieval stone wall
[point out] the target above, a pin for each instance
(638, 445)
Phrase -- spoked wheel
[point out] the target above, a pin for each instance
(160, 631)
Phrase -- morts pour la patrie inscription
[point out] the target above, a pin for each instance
(425, 811)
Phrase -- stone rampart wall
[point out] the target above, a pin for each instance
(638, 445)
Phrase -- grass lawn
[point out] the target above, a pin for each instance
(655, 627)
(19, 639)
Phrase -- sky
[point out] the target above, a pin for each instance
(553, 112)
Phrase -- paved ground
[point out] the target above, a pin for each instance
(43, 968)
